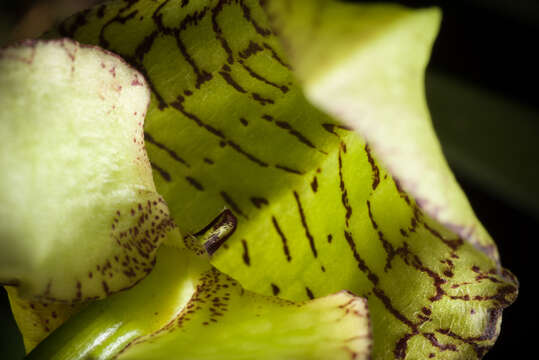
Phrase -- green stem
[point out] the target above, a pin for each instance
(106, 327)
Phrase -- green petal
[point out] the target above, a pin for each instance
(224, 321)
(366, 68)
(185, 309)
(316, 212)
(76, 190)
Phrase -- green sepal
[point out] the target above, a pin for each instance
(80, 217)
(224, 321)
(186, 309)
(366, 68)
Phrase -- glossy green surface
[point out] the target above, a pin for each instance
(187, 309)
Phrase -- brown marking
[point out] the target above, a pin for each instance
(286, 126)
(401, 347)
(283, 239)
(247, 15)
(228, 200)
(164, 174)
(252, 49)
(117, 19)
(219, 32)
(287, 169)
(360, 262)
(230, 81)
(276, 56)
(388, 247)
(332, 127)
(258, 202)
(344, 191)
(101, 11)
(106, 288)
(434, 342)
(314, 184)
(452, 244)
(80, 20)
(305, 226)
(197, 185)
(149, 138)
(245, 255)
(178, 105)
(374, 167)
(283, 88)
(263, 101)
(249, 156)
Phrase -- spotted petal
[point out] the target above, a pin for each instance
(79, 214)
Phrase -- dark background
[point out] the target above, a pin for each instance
(482, 91)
